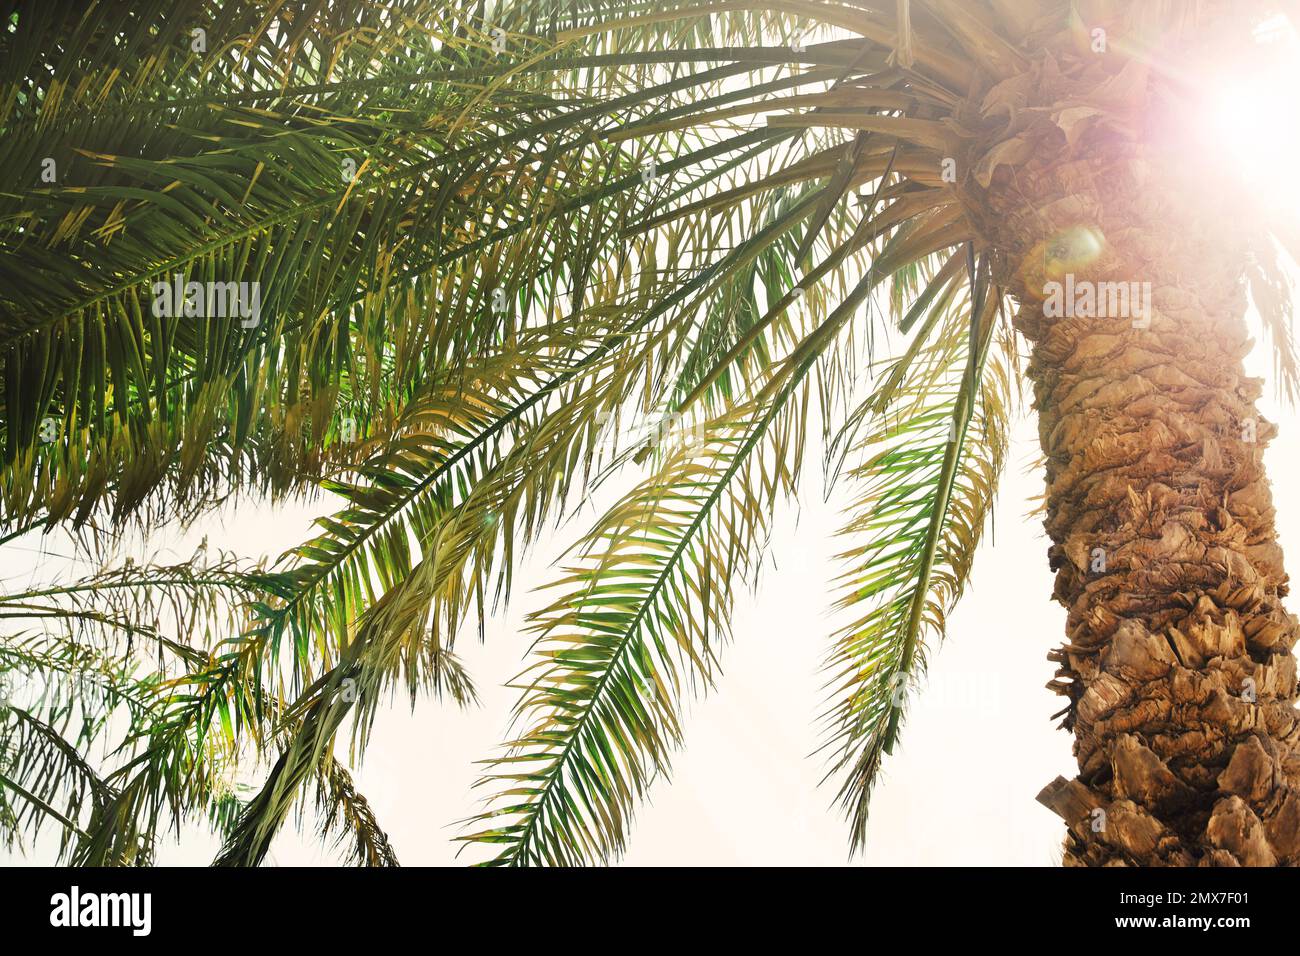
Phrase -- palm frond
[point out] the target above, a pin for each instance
(346, 813)
(638, 623)
(928, 474)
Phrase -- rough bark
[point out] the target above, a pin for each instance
(1177, 663)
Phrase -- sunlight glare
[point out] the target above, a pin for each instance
(1253, 116)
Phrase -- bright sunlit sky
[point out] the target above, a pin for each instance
(978, 744)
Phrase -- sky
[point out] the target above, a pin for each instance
(977, 746)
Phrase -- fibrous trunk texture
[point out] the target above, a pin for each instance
(1177, 661)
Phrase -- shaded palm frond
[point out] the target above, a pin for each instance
(345, 813)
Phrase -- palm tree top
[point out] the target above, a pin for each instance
(502, 251)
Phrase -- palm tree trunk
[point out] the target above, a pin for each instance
(1177, 661)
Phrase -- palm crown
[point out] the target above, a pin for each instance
(485, 241)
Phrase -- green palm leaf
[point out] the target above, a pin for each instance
(928, 473)
(638, 623)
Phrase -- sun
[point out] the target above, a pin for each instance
(1251, 115)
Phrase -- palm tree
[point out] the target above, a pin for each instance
(72, 692)
(484, 240)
